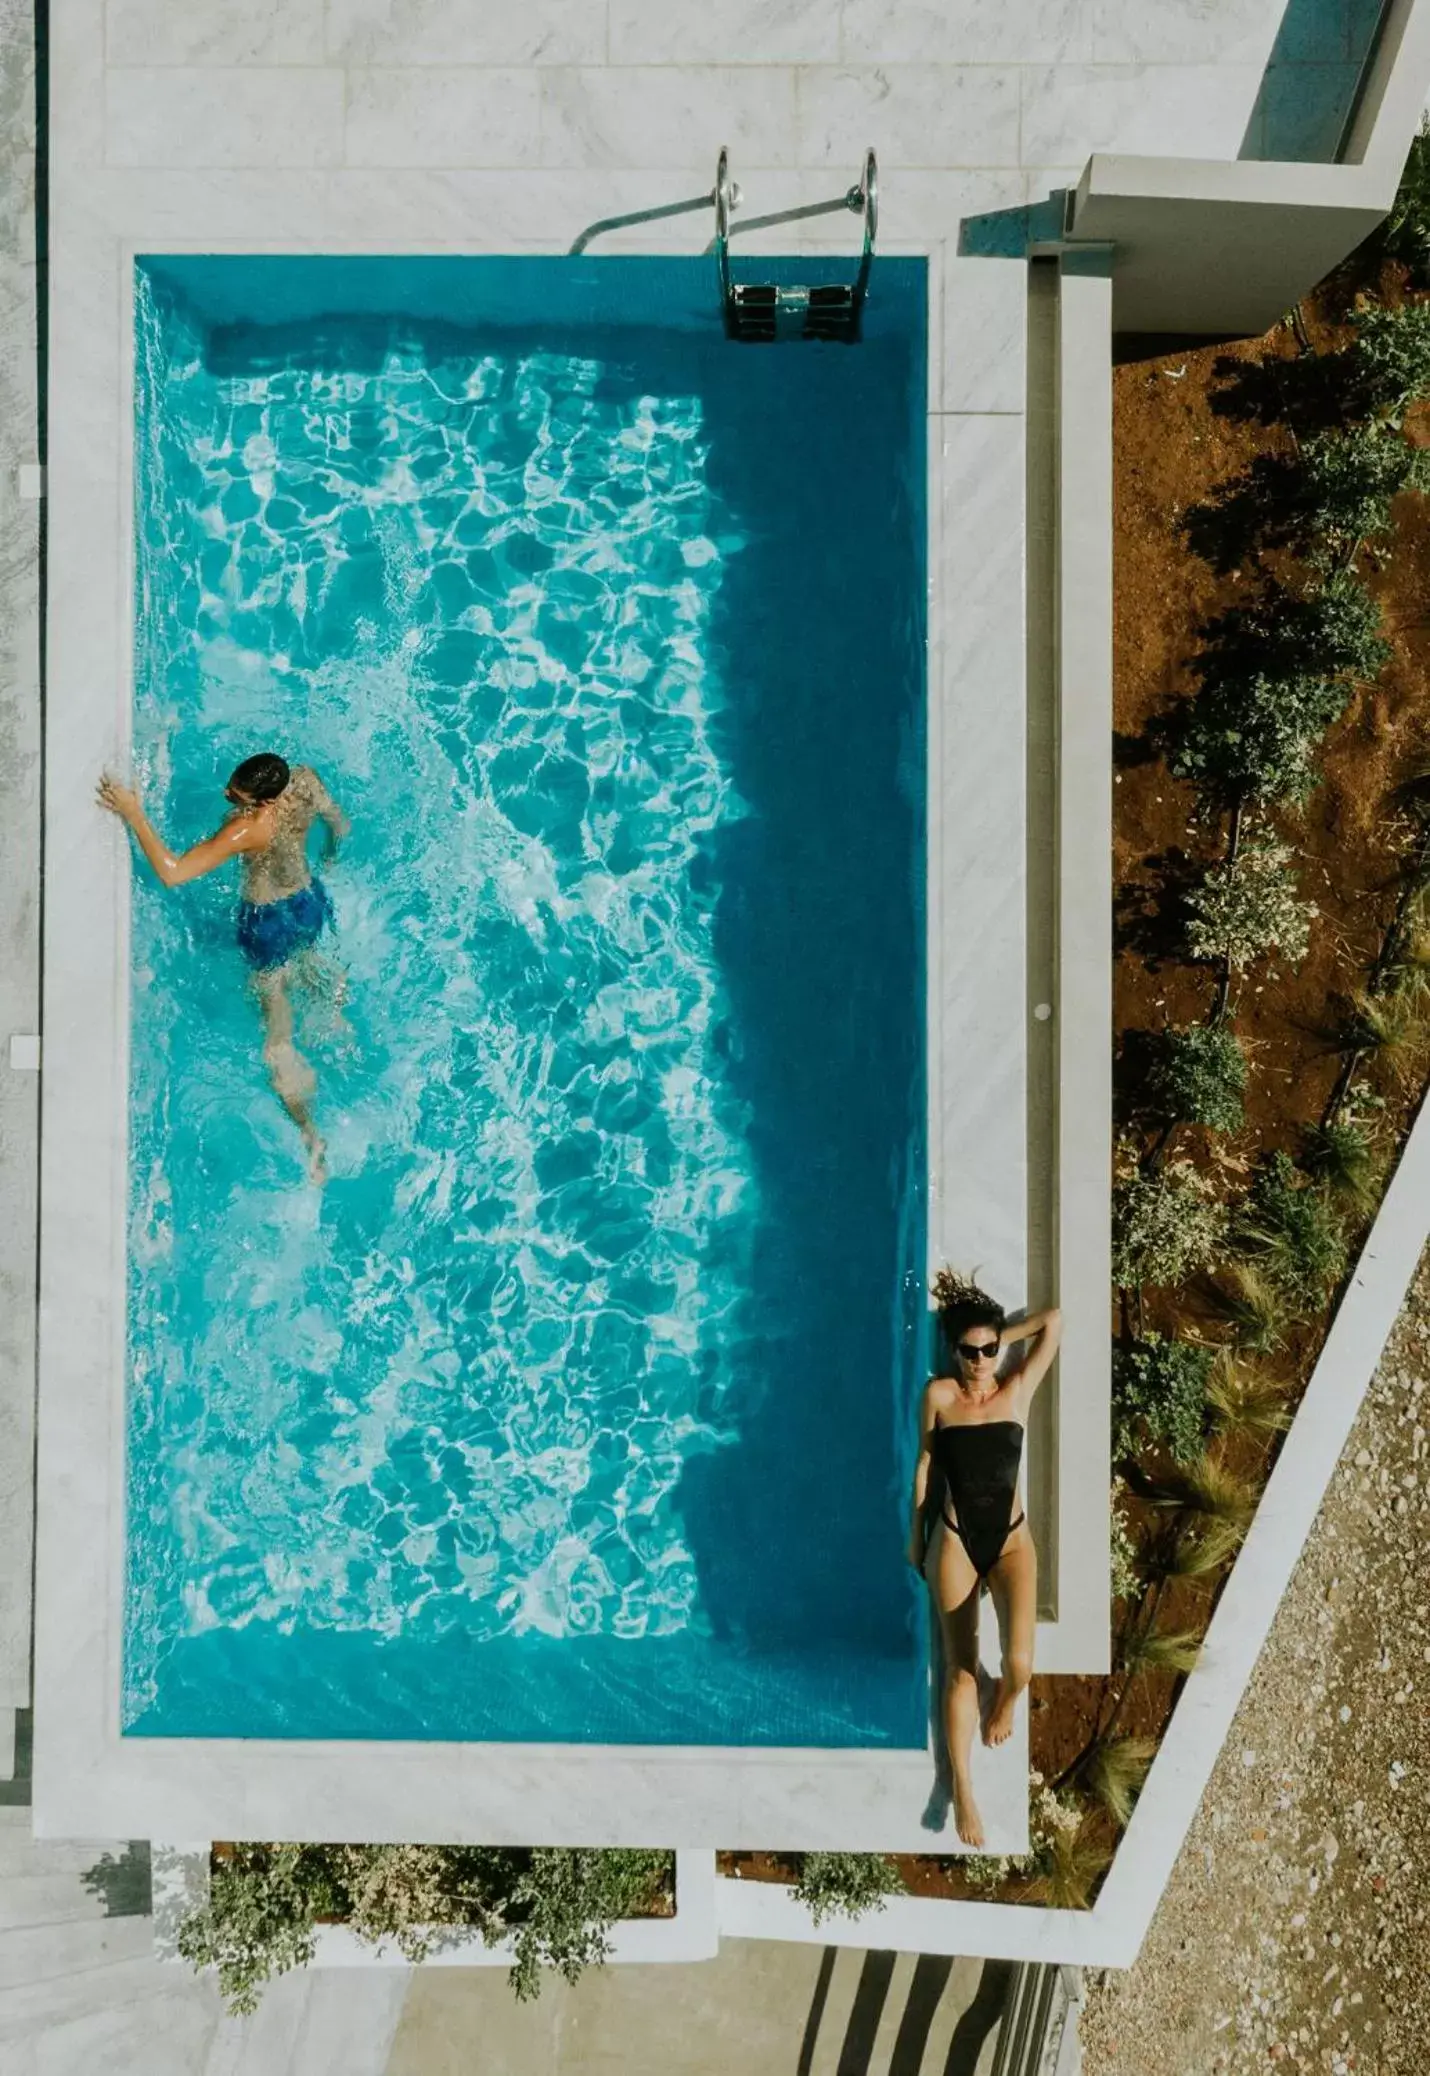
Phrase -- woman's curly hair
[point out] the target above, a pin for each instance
(961, 1303)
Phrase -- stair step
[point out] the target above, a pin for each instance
(45, 1899)
(22, 1853)
(54, 1999)
(350, 2021)
(162, 2035)
(266, 2043)
(40, 1953)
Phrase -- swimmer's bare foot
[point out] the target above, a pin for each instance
(999, 1727)
(317, 1157)
(967, 1822)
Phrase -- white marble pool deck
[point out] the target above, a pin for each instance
(442, 126)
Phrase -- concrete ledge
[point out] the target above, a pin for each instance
(19, 858)
(914, 1924)
(181, 1885)
(1210, 250)
(1283, 1520)
(1220, 247)
(1078, 1641)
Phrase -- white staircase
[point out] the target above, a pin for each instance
(81, 1993)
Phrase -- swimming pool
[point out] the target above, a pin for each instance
(578, 1405)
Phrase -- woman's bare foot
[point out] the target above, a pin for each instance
(967, 1822)
(999, 1727)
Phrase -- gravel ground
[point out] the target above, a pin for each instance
(1295, 1931)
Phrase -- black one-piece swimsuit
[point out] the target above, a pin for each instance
(979, 1461)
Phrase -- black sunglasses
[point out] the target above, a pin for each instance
(971, 1350)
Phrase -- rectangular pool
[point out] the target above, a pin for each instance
(579, 1403)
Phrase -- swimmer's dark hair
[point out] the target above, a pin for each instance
(262, 777)
(960, 1303)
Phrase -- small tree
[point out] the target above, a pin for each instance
(1255, 739)
(1331, 629)
(264, 1903)
(1248, 908)
(560, 1907)
(845, 1884)
(1273, 677)
(1294, 1230)
(1198, 1076)
(1159, 1395)
(1166, 1226)
(1342, 488)
(1388, 363)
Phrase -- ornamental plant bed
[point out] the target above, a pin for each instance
(658, 1901)
(1174, 440)
(1186, 424)
(550, 1907)
(917, 1874)
(1272, 731)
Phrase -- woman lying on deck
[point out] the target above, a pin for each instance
(972, 1427)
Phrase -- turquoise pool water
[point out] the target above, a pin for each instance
(579, 1403)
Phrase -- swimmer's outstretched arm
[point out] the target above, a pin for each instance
(176, 868)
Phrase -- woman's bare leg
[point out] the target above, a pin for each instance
(293, 1079)
(1013, 1582)
(955, 1585)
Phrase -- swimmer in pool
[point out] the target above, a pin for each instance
(284, 908)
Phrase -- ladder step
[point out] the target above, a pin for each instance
(759, 311)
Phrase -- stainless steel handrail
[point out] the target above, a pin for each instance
(659, 211)
(723, 204)
(866, 197)
(862, 199)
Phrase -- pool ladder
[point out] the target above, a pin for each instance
(761, 312)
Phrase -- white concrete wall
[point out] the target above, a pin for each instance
(1212, 248)
(19, 854)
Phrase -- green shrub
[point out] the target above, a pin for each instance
(1406, 233)
(1253, 1306)
(1249, 908)
(1342, 489)
(556, 1904)
(1272, 677)
(1242, 1400)
(1126, 1574)
(1146, 1648)
(1209, 1489)
(1114, 1772)
(1336, 491)
(1165, 1226)
(1330, 630)
(1199, 1077)
(560, 1906)
(845, 1884)
(1294, 1230)
(263, 1907)
(1255, 738)
(1388, 363)
(1341, 1156)
(1159, 1393)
